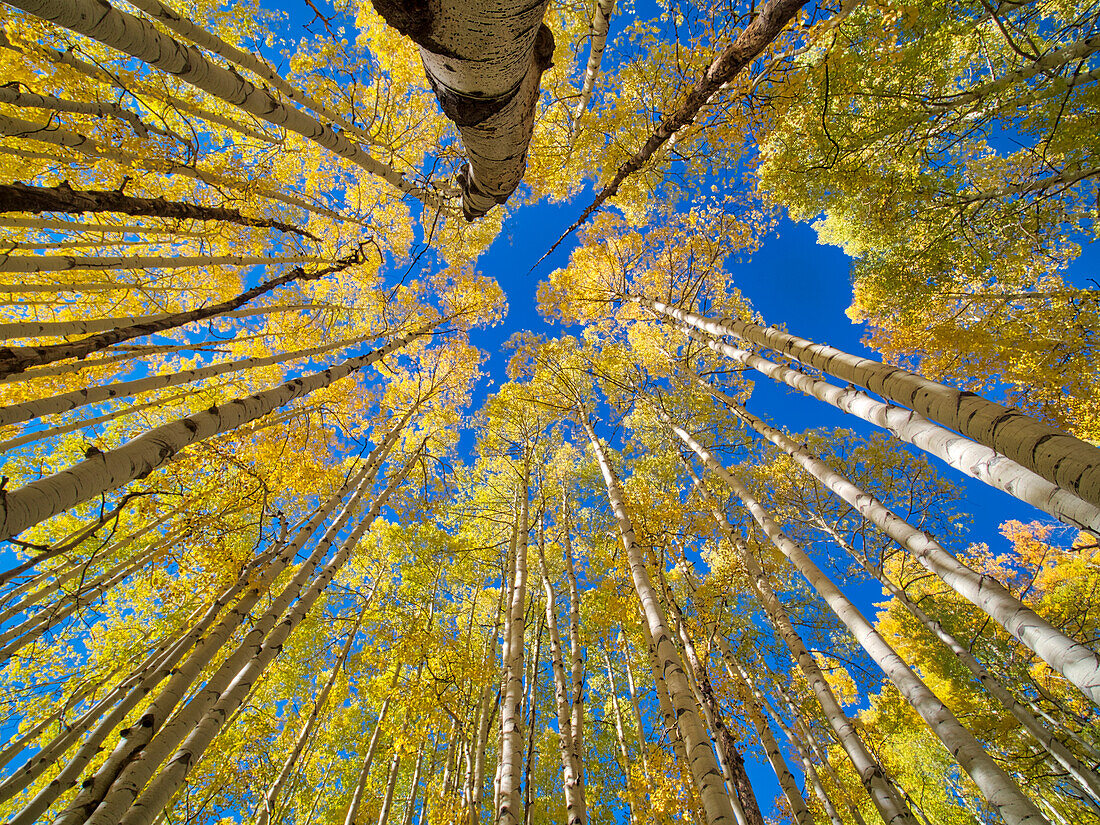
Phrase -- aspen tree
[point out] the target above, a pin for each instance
(63, 402)
(890, 805)
(1069, 657)
(575, 809)
(486, 79)
(141, 40)
(997, 787)
(1056, 456)
(511, 715)
(19, 197)
(701, 760)
(352, 812)
(597, 42)
(975, 460)
(18, 359)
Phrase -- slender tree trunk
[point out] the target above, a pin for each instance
(597, 41)
(391, 786)
(79, 226)
(414, 785)
(1084, 777)
(19, 197)
(575, 808)
(890, 806)
(18, 359)
(812, 776)
(996, 786)
(624, 752)
(643, 745)
(140, 39)
(267, 808)
(33, 264)
(1069, 657)
(701, 759)
(532, 725)
(1060, 458)
(352, 812)
(767, 25)
(126, 803)
(576, 698)
(486, 79)
(63, 402)
(509, 811)
(39, 500)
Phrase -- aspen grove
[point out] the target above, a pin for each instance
(284, 538)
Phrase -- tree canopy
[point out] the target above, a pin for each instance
(281, 546)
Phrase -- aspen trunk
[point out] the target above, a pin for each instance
(767, 25)
(17, 127)
(207, 644)
(1060, 458)
(18, 359)
(28, 100)
(532, 723)
(576, 699)
(597, 41)
(290, 763)
(410, 806)
(103, 228)
(126, 802)
(1071, 658)
(201, 37)
(624, 752)
(812, 776)
(890, 806)
(786, 779)
(63, 402)
(352, 813)
(996, 786)
(509, 811)
(724, 740)
(140, 39)
(643, 745)
(974, 460)
(486, 79)
(84, 423)
(391, 786)
(575, 808)
(39, 500)
(32, 264)
(1084, 777)
(701, 760)
(19, 197)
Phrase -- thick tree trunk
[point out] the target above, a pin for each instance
(1060, 458)
(19, 197)
(701, 760)
(966, 456)
(996, 785)
(39, 500)
(1069, 657)
(484, 60)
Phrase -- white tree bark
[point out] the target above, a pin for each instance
(701, 760)
(77, 263)
(484, 60)
(1084, 777)
(575, 813)
(39, 500)
(966, 456)
(889, 804)
(352, 812)
(1069, 657)
(597, 41)
(996, 786)
(63, 402)
(1058, 457)
(126, 802)
(140, 39)
(510, 807)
